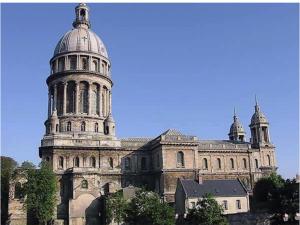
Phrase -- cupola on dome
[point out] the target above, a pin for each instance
(81, 38)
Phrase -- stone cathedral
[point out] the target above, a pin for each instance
(90, 161)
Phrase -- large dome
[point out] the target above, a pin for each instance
(80, 39)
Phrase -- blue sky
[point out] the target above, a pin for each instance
(183, 66)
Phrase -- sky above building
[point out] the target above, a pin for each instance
(182, 66)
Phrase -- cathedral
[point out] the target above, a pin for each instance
(90, 161)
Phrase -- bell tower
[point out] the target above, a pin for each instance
(259, 128)
(236, 132)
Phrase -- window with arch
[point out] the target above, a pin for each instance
(143, 163)
(127, 163)
(256, 164)
(219, 165)
(73, 62)
(269, 160)
(76, 161)
(84, 63)
(61, 64)
(111, 162)
(95, 65)
(180, 159)
(69, 126)
(232, 163)
(61, 162)
(84, 184)
(93, 162)
(103, 68)
(83, 126)
(47, 159)
(96, 127)
(57, 128)
(244, 163)
(205, 163)
(71, 97)
(18, 190)
(83, 98)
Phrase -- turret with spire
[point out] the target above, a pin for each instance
(236, 132)
(259, 127)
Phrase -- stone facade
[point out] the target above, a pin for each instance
(90, 161)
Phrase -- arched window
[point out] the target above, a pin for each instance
(18, 190)
(245, 163)
(59, 98)
(111, 163)
(84, 63)
(71, 96)
(83, 126)
(84, 184)
(83, 98)
(219, 165)
(76, 161)
(269, 160)
(143, 163)
(232, 163)
(57, 128)
(69, 126)
(180, 159)
(96, 127)
(95, 66)
(256, 164)
(127, 163)
(93, 162)
(205, 164)
(73, 62)
(47, 159)
(103, 68)
(60, 162)
(61, 64)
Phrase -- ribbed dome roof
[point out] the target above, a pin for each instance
(81, 39)
(258, 117)
(236, 127)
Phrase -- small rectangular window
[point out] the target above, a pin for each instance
(225, 205)
(193, 204)
(238, 204)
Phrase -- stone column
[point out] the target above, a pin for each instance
(110, 106)
(90, 63)
(90, 99)
(49, 102)
(100, 101)
(55, 97)
(77, 98)
(65, 99)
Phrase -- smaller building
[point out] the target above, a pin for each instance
(231, 194)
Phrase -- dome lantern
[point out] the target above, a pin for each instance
(82, 16)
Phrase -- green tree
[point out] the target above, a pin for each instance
(115, 207)
(267, 188)
(206, 212)
(7, 167)
(147, 208)
(41, 190)
(26, 165)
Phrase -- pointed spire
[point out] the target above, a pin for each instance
(234, 115)
(256, 105)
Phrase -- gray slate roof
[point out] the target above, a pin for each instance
(219, 188)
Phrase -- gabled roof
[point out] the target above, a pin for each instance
(218, 188)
